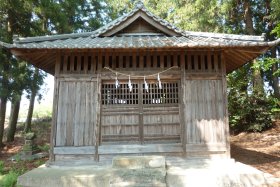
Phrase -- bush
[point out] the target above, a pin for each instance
(44, 148)
(9, 180)
(250, 113)
(1, 167)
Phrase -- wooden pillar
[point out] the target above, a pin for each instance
(182, 109)
(225, 103)
(55, 105)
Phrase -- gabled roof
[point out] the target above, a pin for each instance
(239, 48)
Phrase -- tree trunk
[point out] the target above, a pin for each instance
(275, 78)
(13, 118)
(257, 81)
(27, 127)
(3, 105)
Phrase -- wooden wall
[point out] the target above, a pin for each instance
(205, 110)
(77, 111)
(83, 120)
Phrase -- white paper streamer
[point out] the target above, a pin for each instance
(117, 84)
(129, 84)
(159, 82)
(146, 85)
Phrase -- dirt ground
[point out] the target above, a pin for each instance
(260, 150)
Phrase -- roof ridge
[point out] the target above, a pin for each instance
(226, 36)
(51, 37)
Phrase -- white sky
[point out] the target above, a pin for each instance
(47, 100)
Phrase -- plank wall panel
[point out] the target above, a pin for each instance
(204, 112)
(77, 113)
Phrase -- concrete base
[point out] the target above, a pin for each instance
(217, 173)
(150, 171)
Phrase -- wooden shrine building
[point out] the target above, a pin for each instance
(139, 85)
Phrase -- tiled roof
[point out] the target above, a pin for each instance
(139, 41)
(89, 39)
(239, 49)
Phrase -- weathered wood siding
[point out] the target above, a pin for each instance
(204, 112)
(161, 124)
(120, 124)
(77, 113)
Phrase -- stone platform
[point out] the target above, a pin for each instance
(150, 171)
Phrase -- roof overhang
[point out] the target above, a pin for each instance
(41, 51)
(235, 56)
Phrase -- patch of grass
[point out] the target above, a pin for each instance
(40, 111)
(9, 180)
(43, 111)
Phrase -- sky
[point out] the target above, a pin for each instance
(46, 102)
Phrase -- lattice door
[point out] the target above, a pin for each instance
(140, 115)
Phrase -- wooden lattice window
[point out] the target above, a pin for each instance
(119, 96)
(168, 94)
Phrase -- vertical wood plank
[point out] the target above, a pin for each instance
(120, 60)
(65, 64)
(79, 61)
(99, 66)
(57, 64)
(189, 62)
(196, 62)
(55, 118)
(209, 63)
(225, 104)
(162, 61)
(114, 60)
(77, 115)
(86, 63)
(216, 62)
(72, 59)
(202, 62)
(69, 109)
(141, 61)
(182, 63)
(148, 57)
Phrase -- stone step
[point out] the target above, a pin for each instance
(218, 174)
(139, 171)
(139, 175)
(132, 184)
(139, 162)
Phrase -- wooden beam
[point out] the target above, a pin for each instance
(83, 150)
(139, 149)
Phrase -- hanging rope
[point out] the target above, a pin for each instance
(140, 76)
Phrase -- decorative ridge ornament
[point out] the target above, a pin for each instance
(139, 4)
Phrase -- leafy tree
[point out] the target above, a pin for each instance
(20, 74)
(36, 79)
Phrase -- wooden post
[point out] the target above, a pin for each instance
(54, 114)
(98, 116)
(141, 123)
(225, 103)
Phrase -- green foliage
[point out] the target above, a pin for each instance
(1, 167)
(44, 148)
(9, 180)
(248, 110)
(251, 113)
(276, 30)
